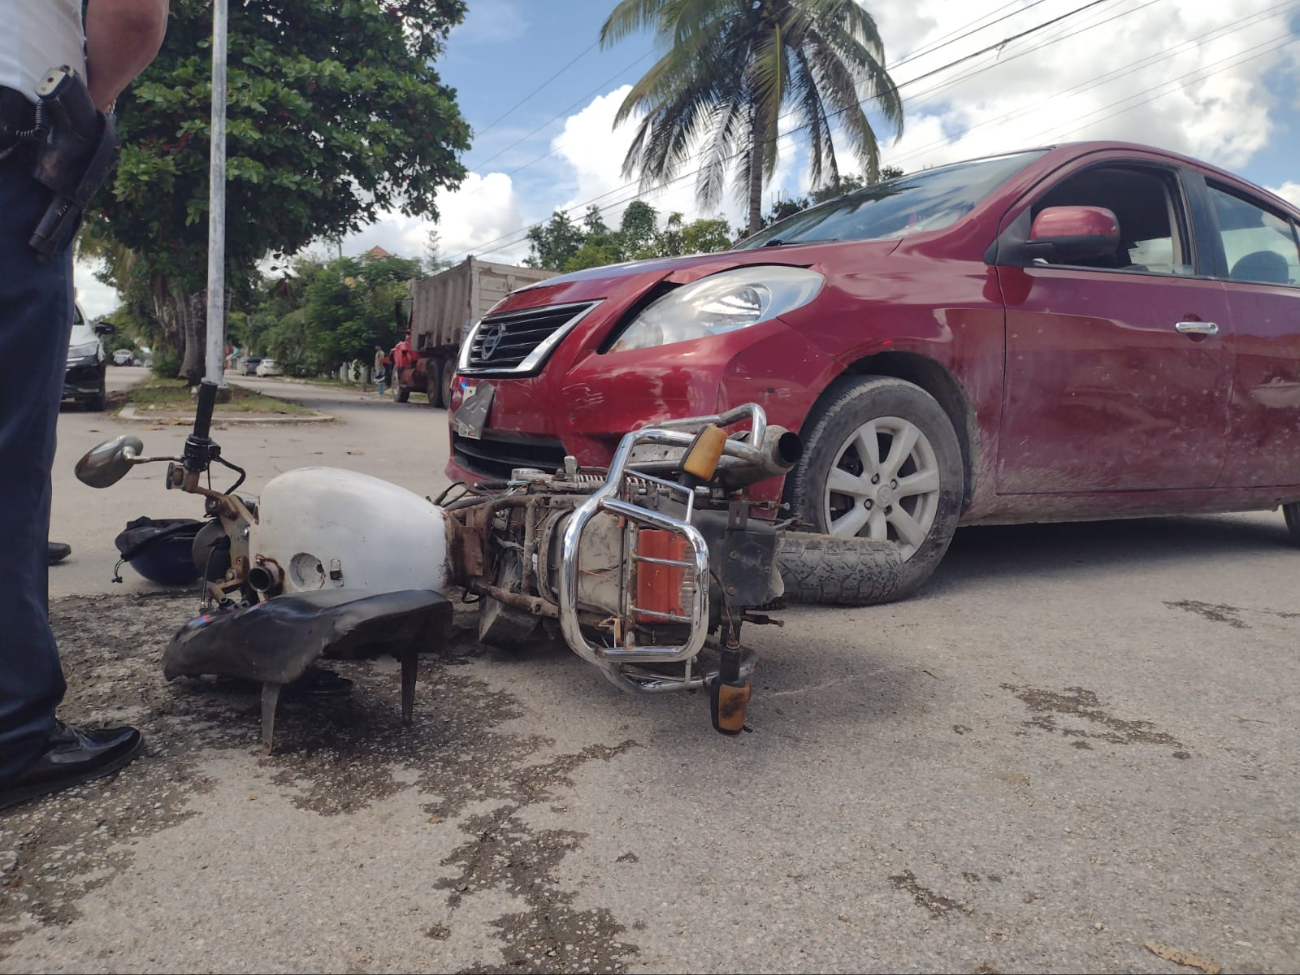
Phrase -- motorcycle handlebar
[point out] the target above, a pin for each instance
(207, 402)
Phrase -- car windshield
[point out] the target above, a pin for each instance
(928, 200)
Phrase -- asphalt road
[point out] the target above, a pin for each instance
(1077, 740)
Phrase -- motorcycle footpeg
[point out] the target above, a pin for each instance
(728, 704)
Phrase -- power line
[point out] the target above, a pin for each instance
(927, 50)
(992, 47)
(559, 115)
(1112, 75)
(1274, 47)
(491, 125)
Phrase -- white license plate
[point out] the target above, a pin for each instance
(475, 405)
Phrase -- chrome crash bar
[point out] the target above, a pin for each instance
(611, 498)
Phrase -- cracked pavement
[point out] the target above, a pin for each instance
(1078, 739)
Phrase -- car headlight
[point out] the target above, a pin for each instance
(83, 350)
(721, 303)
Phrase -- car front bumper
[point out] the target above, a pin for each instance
(586, 409)
(84, 379)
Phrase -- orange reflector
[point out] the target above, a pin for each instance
(703, 458)
(659, 586)
(733, 702)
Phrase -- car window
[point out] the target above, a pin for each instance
(1260, 246)
(1148, 207)
(928, 200)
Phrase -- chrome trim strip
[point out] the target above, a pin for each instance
(538, 356)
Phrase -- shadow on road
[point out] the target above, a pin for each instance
(979, 554)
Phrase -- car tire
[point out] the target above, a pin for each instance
(433, 386)
(1291, 512)
(98, 403)
(867, 413)
(448, 382)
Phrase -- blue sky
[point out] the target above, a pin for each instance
(1217, 81)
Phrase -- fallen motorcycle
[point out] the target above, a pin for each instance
(647, 570)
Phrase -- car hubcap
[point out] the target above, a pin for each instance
(884, 484)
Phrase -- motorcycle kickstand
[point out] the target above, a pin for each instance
(410, 667)
(270, 701)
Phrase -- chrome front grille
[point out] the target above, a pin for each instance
(518, 342)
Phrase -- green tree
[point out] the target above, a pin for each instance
(637, 230)
(679, 238)
(330, 312)
(434, 261)
(730, 68)
(336, 114)
(839, 186)
(562, 245)
(552, 244)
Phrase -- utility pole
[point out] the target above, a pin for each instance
(216, 350)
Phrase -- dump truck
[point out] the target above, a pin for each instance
(440, 311)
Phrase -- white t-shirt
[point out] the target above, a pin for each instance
(36, 35)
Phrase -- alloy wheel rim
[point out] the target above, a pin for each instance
(884, 484)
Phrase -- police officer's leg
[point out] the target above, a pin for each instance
(35, 320)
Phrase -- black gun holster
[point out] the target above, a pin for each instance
(79, 151)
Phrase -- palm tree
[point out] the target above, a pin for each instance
(728, 68)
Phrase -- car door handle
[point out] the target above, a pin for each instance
(1198, 328)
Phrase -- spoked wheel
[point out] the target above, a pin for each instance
(882, 461)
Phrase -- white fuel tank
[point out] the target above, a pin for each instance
(326, 527)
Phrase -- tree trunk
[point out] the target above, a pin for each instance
(758, 135)
(169, 313)
(196, 313)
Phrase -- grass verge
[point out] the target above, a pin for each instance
(173, 396)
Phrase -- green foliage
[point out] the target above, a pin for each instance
(839, 186)
(335, 114)
(698, 237)
(730, 70)
(328, 313)
(551, 245)
(561, 245)
(166, 362)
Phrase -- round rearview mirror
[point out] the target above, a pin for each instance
(105, 465)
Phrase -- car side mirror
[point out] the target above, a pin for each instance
(1063, 235)
(104, 328)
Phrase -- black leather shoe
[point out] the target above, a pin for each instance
(59, 551)
(72, 757)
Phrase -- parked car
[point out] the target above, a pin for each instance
(1087, 331)
(269, 367)
(85, 381)
(123, 357)
(248, 365)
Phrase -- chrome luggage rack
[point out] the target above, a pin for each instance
(624, 661)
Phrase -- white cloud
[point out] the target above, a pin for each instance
(481, 210)
(595, 152)
(96, 298)
(1289, 191)
(1188, 78)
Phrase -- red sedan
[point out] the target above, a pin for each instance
(1087, 331)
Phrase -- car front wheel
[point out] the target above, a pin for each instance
(1292, 514)
(882, 461)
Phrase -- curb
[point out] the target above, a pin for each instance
(128, 413)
